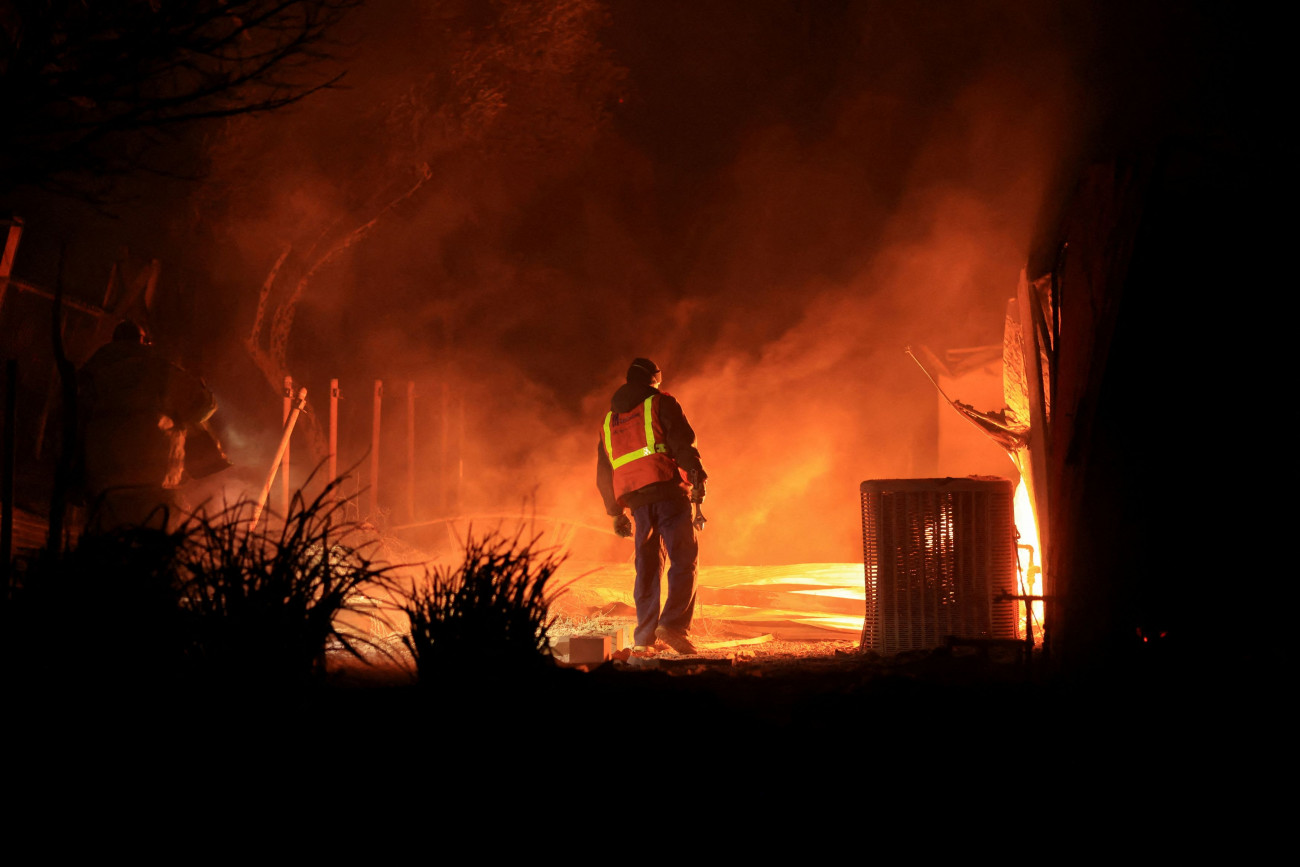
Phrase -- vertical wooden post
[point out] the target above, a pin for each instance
(52, 394)
(150, 289)
(13, 234)
(460, 449)
(444, 452)
(284, 461)
(8, 468)
(410, 451)
(374, 452)
(334, 435)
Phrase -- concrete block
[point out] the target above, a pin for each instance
(588, 648)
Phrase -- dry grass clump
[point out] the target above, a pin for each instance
(211, 602)
(219, 602)
(265, 605)
(491, 611)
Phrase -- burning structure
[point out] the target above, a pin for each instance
(777, 198)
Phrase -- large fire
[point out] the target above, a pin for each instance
(816, 604)
(1029, 565)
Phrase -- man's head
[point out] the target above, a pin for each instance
(129, 332)
(643, 371)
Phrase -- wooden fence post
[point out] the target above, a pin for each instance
(334, 436)
(460, 449)
(13, 234)
(284, 463)
(410, 451)
(444, 452)
(374, 451)
(8, 468)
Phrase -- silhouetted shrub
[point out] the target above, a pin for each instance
(211, 602)
(105, 612)
(489, 612)
(264, 605)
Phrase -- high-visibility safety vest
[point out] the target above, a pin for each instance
(634, 442)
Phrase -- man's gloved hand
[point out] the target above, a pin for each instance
(699, 518)
(697, 487)
(623, 526)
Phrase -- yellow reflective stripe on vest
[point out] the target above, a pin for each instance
(649, 427)
(650, 448)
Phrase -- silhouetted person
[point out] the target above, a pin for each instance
(647, 463)
(135, 409)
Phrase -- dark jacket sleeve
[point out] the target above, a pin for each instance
(186, 397)
(680, 436)
(605, 481)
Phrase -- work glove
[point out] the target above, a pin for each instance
(623, 526)
(697, 487)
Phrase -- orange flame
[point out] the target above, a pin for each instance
(1030, 565)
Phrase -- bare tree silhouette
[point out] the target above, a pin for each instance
(88, 90)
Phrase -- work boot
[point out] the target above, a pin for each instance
(642, 655)
(675, 639)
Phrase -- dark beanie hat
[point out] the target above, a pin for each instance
(128, 332)
(642, 371)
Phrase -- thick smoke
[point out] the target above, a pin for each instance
(780, 199)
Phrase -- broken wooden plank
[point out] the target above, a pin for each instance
(736, 642)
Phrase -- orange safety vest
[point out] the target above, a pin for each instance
(634, 443)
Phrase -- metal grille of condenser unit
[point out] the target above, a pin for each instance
(938, 555)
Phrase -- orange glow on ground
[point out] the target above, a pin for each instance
(797, 602)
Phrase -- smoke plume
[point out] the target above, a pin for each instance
(771, 200)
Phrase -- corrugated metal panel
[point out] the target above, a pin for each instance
(938, 554)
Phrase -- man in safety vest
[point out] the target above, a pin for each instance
(647, 463)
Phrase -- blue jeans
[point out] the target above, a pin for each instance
(664, 526)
